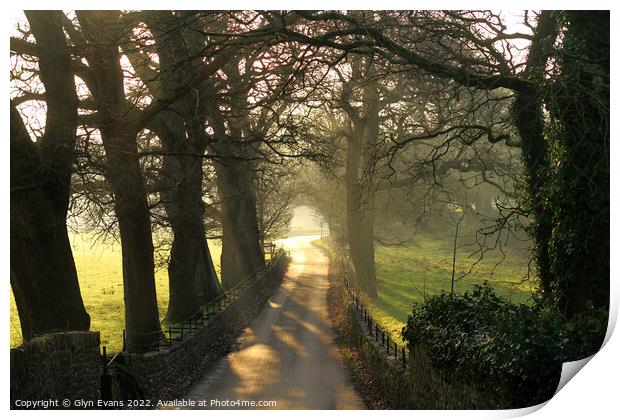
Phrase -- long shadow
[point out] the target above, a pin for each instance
(293, 359)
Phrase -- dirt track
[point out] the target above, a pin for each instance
(287, 355)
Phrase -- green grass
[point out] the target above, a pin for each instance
(406, 274)
(100, 274)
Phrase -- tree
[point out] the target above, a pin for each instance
(43, 275)
(249, 116)
(242, 254)
(529, 121)
(192, 277)
(361, 137)
(488, 68)
(119, 124)
(276, 199)
(579, 196)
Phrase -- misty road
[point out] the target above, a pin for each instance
(287, 354)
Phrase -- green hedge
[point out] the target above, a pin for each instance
(514, 350)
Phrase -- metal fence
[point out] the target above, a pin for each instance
(178, 331)
(378, 332)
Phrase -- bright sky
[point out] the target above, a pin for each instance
(34, 112)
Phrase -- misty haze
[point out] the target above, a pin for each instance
(306, 209)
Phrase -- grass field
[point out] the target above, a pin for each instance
(100, 273)
(406, 274)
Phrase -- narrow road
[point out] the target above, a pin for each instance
(287, 354)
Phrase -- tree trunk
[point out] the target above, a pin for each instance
(580, 105)
(191, 274)
(43, 275)
(361, 141)
(535, 154)
(242, 254)
(535, 150)
(119, 132)
(360, 221)
(142, 326)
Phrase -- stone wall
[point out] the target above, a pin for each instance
(167, 374)
(68, 365)
(64, 365)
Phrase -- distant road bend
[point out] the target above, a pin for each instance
(287, 354)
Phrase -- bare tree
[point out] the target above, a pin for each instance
(472, 49)
(119, 123)
(43, 275)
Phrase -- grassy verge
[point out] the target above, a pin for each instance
(361, 377)
(100, 273)
(407, 274)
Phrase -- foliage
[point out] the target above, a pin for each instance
(579, 189)
(504, 347)
(408, 274)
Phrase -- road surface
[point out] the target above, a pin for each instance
(287, 354)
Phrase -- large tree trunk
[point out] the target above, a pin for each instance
(535, 150)
(142, 328)
(191, 274)
(242, 254)
(360, 221)
(361, 142)
(43, 275)
(580, 106)
(119, 132)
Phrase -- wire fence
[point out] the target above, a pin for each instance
(145, 342)
(374, 329)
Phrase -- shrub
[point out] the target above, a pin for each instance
(512, 349)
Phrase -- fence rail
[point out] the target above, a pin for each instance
(379, 333)
(178, 331)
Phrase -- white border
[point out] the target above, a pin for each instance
(594, 391)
